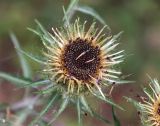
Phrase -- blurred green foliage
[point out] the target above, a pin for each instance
(139, 19)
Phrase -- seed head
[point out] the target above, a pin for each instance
(151, 107)
(79, 62)
(82, 60)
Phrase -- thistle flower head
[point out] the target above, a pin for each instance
(79, 61)
(82, 60)
(149, 108)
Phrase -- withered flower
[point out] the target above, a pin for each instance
(82, 60)
(79, 62)
(149, 108)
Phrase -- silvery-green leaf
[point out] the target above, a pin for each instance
(98, 116)
(79, 112)
(68, 14)
(135, 103)
(60, 110)
(32, 57)
(116, 121)
(48, 90)
(16, 80)
(109, 101)
(24, 64)
(85, 105)
(36, 83)
(88, 10)
(22, 116)
(45, 109)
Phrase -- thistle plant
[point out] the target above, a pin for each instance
(149, 108)
(79, 63)
(78, 66)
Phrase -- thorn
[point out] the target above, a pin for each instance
(85, 114)
(111, 90)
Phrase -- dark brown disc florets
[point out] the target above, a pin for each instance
(81, 59)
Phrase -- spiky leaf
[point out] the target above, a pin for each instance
(24, 64)
(116, 120)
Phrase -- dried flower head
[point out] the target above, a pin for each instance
(81, 60)
(149, 108)
(152, 107)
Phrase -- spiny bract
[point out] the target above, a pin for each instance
(149, 108)
(81, 60)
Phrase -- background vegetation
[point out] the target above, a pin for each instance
(140, 21)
